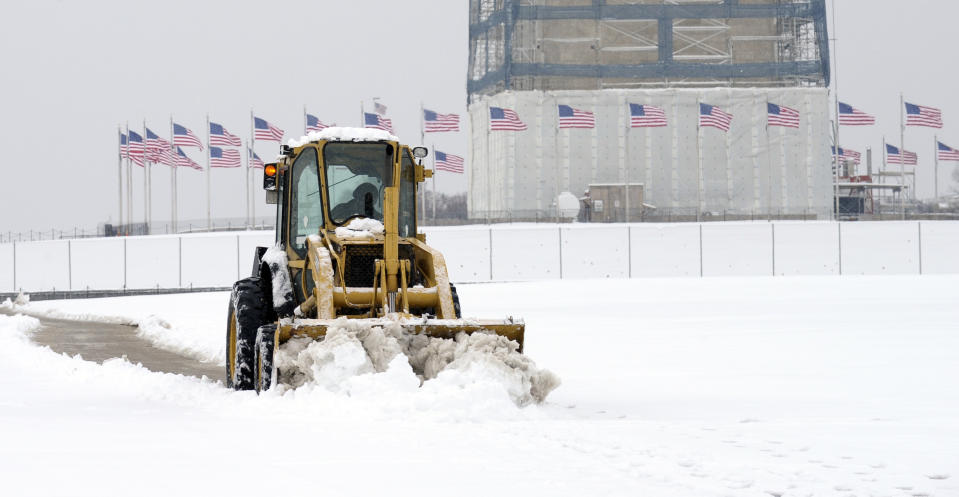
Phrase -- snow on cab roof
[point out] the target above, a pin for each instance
(344, 134)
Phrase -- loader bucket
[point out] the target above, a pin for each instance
(436, 328)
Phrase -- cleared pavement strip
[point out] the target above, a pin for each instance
(101, 341)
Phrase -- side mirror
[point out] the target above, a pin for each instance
(420, 152)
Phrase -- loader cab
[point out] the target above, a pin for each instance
(327, 184)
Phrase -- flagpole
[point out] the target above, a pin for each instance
(434, 181)
(362, 115)
(306, 124)
(146, 180)
(422, 197)
(173, 160)
(129, 182)
(249, 181)
(935, 154)
(769, 171)
(699, 153)
(252, 144)
(626, 172)
(882, 176)
(902, 156)
(835, 78)
(120, 177)
(209, 179)
(489, 167)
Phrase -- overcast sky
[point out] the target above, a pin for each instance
(72, 71)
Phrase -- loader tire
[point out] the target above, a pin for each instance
(247, 312)
(456, 302)
(265, 343)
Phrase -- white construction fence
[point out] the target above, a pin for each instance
(515, 253)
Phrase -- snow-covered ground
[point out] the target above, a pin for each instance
(670, 387)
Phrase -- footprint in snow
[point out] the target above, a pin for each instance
(937, 476)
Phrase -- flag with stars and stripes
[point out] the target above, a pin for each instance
(893, 156)
(376, 121)
(920, 115)
(502, 119)
(183, 137)
(255, 161)
(780, 115)
(313, 123)
(646, 116)
(946, 152)
(438, 123)
(220, 137)
(570, 117)
(182, 160)
(449, 162)
(135, 148)
(224, 157)
(263, 130)
(711, 116)
(851, 116)
(846, 154)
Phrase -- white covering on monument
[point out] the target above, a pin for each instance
(751, 170)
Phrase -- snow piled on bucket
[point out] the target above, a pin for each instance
(356, 358)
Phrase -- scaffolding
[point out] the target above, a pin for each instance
(551, 45)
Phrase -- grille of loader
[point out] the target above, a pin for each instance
(360, 260)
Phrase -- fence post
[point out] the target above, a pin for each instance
(772, 227)
(560, 230)
(700, 250)
(179, 257)
(839, 228)
(237, 257)
(14, 266)
(919, 226)
(490, 228)
(125, 284)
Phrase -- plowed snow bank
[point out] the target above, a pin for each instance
(352, 349)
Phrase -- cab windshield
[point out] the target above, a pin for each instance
(356, 177)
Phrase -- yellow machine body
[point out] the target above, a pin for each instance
(388, 276)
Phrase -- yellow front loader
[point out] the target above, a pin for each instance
(346, 246)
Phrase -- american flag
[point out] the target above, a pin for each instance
(313, 123)
(164, 156)
(918, 115)
(449, 162)
(376, 121)
(123, 146)
(135, 149)
(255, 161)
(379, 108)
(646, 116)
(946, 152)
(263, 130)
(851, 116)
(893, 157)
(156, 146)
(501, 119)
(438, 123)
(185, 138)
(182, 160)
(710, 116)
(220, 137)
(780, 115)
(846, 154)
(575, 118)
(224, 157)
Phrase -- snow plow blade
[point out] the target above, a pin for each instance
(436, 328)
